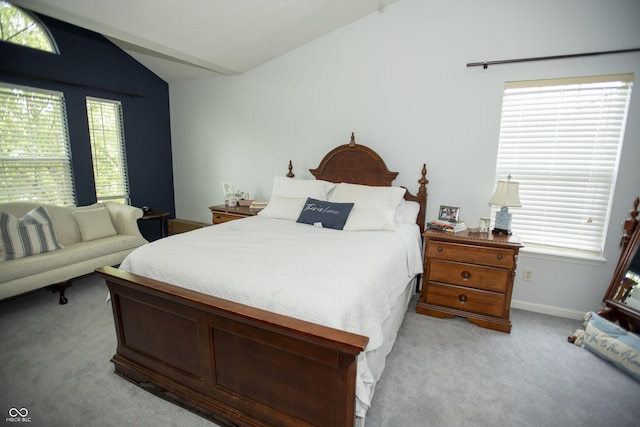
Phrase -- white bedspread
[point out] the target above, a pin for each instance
(345, 280)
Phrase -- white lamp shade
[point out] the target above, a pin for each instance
(507, 194)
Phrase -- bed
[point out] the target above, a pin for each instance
(241, 323)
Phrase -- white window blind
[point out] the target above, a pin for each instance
(35, 156)
(108, 150)
(561, 139)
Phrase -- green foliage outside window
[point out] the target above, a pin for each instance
(107, 149)
(35, 157)
(20, 27)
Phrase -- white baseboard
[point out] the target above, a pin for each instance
(548, 309)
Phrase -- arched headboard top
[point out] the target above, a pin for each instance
(356, 164)
(359, 164)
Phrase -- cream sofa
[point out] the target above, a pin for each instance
(89, 238)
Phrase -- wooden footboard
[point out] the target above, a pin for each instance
(229, 361)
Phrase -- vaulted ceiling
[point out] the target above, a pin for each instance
(195, 39)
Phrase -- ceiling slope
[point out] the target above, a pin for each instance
(195, 39)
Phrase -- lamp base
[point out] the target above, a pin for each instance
(502, 232)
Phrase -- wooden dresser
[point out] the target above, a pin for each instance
(469, 275)
(223, 213)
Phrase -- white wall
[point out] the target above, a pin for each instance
(399, 80)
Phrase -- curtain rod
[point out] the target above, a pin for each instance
(486, 64)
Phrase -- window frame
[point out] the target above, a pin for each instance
(39, 26)
(51, 162)
(118, 155)
(517, 157)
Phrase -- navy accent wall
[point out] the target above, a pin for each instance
(90, 65)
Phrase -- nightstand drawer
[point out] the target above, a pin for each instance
(223, 213)
(493, 257)
(466, 299)
(219, 218)
(177, 226)
(473, 276)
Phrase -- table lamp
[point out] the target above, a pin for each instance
(506, 195)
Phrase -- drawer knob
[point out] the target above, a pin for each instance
(462, 298)
(439, 248)
(499, 256)
(466, 275)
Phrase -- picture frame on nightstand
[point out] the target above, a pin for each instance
(448, 213)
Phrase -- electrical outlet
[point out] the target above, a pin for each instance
(527, 276)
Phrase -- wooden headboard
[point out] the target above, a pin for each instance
(359, 164)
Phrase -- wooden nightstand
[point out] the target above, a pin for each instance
(469, 275)
(177, 226)
(223, 213)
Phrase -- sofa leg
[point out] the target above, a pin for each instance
(60, 288)
(63, 299)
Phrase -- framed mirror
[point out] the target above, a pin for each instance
(622, 300)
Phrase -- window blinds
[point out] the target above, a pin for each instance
(35, 157)
(561, 139)
(107, 149)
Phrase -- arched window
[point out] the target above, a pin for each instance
(21, 27)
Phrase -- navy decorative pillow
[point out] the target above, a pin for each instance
(329, 214)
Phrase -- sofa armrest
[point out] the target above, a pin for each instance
(125, 218)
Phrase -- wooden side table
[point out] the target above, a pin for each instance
(157, 215)
(224, 213)
(469, 275)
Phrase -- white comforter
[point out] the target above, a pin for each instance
(345, 280)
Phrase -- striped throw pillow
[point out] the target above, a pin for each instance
(32, 234)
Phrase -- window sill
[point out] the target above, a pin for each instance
(564, 255)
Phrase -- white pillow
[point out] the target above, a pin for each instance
(94, 223)
(366, 196)
(374, 207)
(298, 188)
(290, 187)
(371, 219)
(285, 207)
(407, 212)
